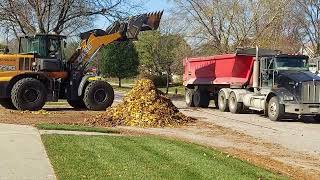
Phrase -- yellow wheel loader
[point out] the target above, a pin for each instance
(40, 73)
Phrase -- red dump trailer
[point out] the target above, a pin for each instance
(258, 79)
(223, 70)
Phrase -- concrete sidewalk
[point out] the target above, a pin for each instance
(22, 155)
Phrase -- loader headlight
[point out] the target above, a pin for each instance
(288, 98)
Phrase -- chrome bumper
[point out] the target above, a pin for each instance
(302, 108)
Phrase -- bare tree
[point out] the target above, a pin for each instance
(226, 24)
(57, 16)
(307, 14)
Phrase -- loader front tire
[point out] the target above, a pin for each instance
(7, 103)
(28, 94)
(98, 96)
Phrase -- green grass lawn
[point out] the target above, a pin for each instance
(65, 127)
(84, 157)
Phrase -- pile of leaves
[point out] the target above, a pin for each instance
(143, 106)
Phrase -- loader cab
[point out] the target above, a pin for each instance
(272, 65)
(45, 46)
(48, 51)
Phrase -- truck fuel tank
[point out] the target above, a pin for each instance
(254, 102)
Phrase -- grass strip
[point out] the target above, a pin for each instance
(65, 127)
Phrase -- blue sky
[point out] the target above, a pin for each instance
(149, 6)
(156, 5)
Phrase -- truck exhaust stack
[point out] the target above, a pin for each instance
(256, 68)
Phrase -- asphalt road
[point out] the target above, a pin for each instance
(299, 135)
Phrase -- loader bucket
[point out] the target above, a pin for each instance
(143, 22)
(130, 27)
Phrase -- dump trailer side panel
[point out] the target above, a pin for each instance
(229, 69)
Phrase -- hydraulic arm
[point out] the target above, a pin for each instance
(127, 29)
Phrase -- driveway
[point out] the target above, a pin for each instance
(22, 155)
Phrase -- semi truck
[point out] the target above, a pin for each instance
(257, 79)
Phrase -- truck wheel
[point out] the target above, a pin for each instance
(77, 104)
(28, 94)
(189, 97)
(223, 102)
(201, 99)
(234, 106)
(275, 109)
(98, 96)
(7, 103)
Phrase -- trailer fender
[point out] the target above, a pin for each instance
(82, 84)
(240, 93)
(226, 92)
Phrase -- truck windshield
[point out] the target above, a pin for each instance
(291, 63)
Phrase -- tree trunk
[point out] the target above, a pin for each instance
(168, 78)
(119, 82)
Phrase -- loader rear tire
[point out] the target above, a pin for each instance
(98, 96)
(7, 103)
(28, 94)
(77, 104)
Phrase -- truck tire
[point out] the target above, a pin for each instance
(201, 99)
(189, 97)
(275, 109)
(223, 102)
(28, 94)
(7, 103)
(98, 96)
(77, 104)
(235, 107)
